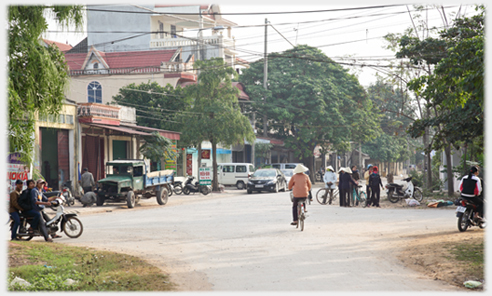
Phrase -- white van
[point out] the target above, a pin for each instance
(234, 174)
(283, 166)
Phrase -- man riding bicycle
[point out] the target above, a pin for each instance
(301, 185)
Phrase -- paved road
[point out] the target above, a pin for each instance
(243, 242)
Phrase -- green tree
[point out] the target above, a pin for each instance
(157, 148)
(37, 74)
(310, 101)
(156, 106)
(215, 114)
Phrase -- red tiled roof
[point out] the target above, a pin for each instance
(124, 60)
(62, 46)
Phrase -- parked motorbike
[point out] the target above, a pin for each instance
(68, 222)
(178, 187)
(466, 215)
(395, 192)
(67, 193)
(190, 187)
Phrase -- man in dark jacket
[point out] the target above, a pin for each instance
(344, 187)
(374, 183)
(14, 208)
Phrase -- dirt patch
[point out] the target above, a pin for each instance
(17, 259)
(431, 255)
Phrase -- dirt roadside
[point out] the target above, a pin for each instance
(427, 254)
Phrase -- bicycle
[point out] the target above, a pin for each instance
(360, 197)
(326, 200)
(301, 213)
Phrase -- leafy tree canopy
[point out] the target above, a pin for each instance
(310, 100)
(37, 73)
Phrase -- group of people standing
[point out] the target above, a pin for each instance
(348, 180)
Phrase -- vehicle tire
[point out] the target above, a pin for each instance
(186, 191)
(249, 191)
(73, 227)
(99, 200)
(463, 221)
(170, 192)
(204, 190)
(276, 188)
(25, 238)
(178, 190)
(417, 194)
(363, 199)
(130, 199)
(319, 196)
(392, 197)
(240, 185)
(162, 196)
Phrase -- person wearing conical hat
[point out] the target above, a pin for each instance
(346, 180)
(330, 178)
(300, 185)
(367, 173)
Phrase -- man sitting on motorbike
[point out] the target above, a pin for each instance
(471, 189)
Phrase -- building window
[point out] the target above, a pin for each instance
(161, 30)
(173, 31)
(94, 92)
(96, 65)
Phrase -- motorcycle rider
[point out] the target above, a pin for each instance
(471, 189)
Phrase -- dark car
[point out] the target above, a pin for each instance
(267, 180)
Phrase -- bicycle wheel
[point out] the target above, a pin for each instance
(301, 217)
(417, 194)
(319, 196)
(298, 214)
(363, 199)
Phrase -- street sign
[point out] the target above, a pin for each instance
(205, 176)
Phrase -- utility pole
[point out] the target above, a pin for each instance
(265, 77)
(253, 144)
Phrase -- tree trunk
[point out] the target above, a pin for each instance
(427, 161)
(449, 171)
(199, 156)
(215, 182)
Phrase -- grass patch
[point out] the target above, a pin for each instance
(47, 267)
(472, 254)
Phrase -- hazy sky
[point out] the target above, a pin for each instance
(353, 32)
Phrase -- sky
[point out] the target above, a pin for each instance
(351, 35)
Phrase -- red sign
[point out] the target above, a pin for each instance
(205, 154)
(189, 164)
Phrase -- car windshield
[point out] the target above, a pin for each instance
(288, 173)
(264, 173)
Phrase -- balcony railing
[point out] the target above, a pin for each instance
(180, 42)
(100, 110)
(175, 67)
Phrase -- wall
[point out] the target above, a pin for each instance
(131, 24)
(112, 84)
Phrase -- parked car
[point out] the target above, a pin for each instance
(267, 180)
(235, 174)
(288, 173)
(283, 166)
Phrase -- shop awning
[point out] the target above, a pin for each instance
(121, 129)
(171, 135)
(219, 150)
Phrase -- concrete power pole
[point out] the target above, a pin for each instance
(253, 144)
(265, 78)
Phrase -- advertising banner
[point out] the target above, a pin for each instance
(205, 176)
(16, 171)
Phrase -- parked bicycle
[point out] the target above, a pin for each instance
(324, 200)
(301, 213)
(359, 197)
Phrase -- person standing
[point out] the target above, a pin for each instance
(340, 180)
(330, 178)
(374, 183)
(14, 208)
(355, 177)
(345, 181)
(87, 181)
(367, 173)
(301, 186)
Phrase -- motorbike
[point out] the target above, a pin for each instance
(395, 192)
(67, 193)
(178, 187)
(67, 222)
(190, 187)
(465, 211)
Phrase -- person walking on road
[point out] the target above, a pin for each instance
(374, 183)
(14, 208)
(301, 186)
(330, 178)
(367, 173)
(87, 181)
